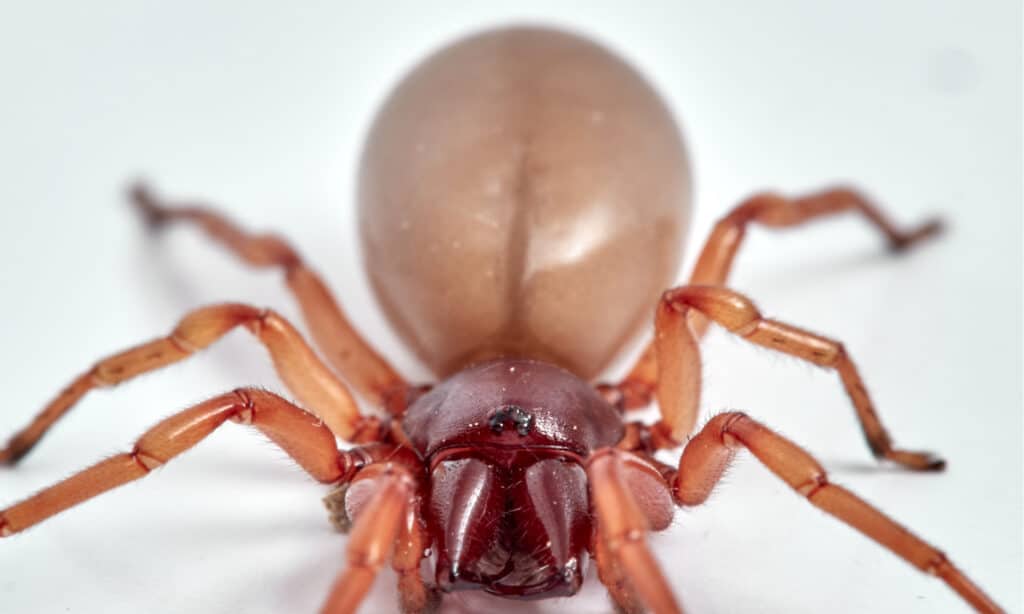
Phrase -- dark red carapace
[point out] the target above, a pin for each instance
(522, 203)
(505, 443)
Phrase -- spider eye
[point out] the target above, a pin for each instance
(514, 415)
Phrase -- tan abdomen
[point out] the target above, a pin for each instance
(523, 192)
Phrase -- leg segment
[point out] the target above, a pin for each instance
(623, 596)
(298, 433)
(306, 376)
(678, 360)
(623, 525)
(414, 594)
(377, 529)
(716, 259)
(706, 456)
(345, 349)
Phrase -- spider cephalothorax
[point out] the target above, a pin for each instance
(504, 442)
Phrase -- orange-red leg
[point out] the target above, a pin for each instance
(706, 456)
(623, 597)
(774, 211)
(345, 349)
(306, 376)
(297, 432)
(377, 528)
(414, 595)
(678, 363)
(623, 525)
(719, 252)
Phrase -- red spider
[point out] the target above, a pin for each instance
(502, 183)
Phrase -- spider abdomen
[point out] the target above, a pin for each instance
(502, 183)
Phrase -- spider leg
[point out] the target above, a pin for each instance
(610, 573)
(343, 346)
(774, 211)
(677, 382)
(413, 541)
(716, 258)
(708, 454)
(297, 432)
(305, 375)
(623, 524)
(380, 529)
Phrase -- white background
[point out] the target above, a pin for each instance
(261, 109)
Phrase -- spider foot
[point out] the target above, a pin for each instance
(142, 198)
(916, 461)
(906, 240)
(14, 451)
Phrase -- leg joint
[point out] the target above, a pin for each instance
(755, 207)
(350, 462)
(181, 343)
(276, 251)
(938, 564)
(813, 486)
(246, 409)
(258, 321)
(148, 462)
(839, 355)
(725, 432)
(625, 538)
(747, 329)
(100, 380)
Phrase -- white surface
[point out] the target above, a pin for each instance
(262, 110)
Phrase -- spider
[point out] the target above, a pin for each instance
(492, 252)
